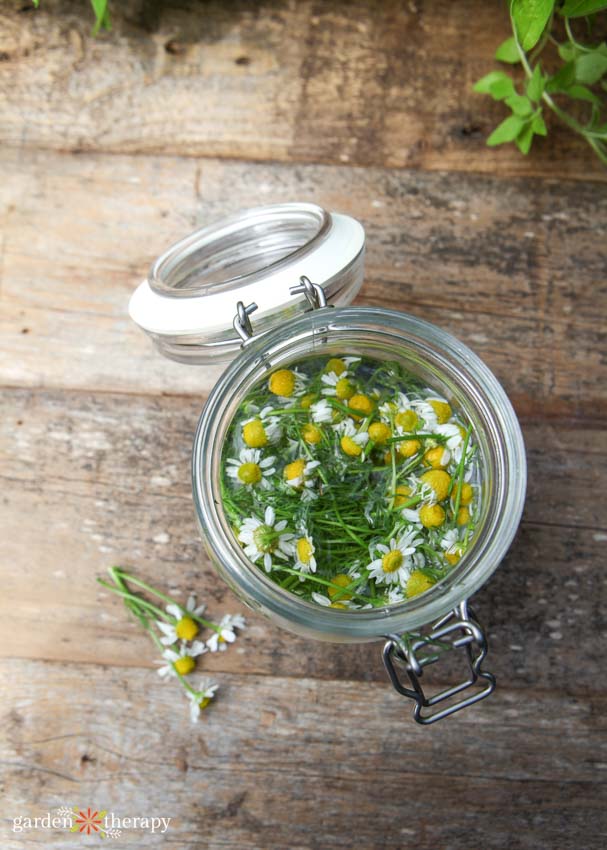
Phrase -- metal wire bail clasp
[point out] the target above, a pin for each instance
(457, 630)
(242, 323)
(313, 291)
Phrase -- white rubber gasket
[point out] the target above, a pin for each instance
(209, 316)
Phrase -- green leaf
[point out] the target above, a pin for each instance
(582, 93)
(530, 18)
(564, 77)
(567, 51)
(579, 8)
(590, 67)
(507, 131)
(539, 126)
(483, 86)
(502, 89)
(535, 86)
(102, 15)
(519, 104)
(508, 51)
(36, 3)
(524, 138)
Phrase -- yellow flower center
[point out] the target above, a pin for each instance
(452, 557)
(406, 419)
(186, 629)
(265, 538)
(439, 481)
(431, 516)
(338, 605)
(466, 494)
(392, 561)
(350, 447)
(184, 665)
(344, 389)
(362, 404)
(442, 409)
(379, 432)
(295, 470)
(418, 583)
(249, 473)
(204, 702)
(254, 435)
(408, 448)
(463, 516)
(398, 458)
(437, 457)
(341, 581)
(282, 383)
(311, 433)
(304, 550)
(402, 495)
(308, 400)
(335, 364)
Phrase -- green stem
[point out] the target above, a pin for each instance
(134, 580)
(137, 600)
(567, 119)
(460, 476)
(137, 581)
(326, 582)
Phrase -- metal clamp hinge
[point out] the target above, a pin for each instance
(408, 653)
(313, 292)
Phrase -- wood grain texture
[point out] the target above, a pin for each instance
(362, 83)
(111, 149)
(228, 782)
(92, 480)
(517, 274)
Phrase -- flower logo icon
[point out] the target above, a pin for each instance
(89, 821)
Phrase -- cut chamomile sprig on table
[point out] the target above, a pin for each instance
(177, 632)
(564, 59)
(349, 482)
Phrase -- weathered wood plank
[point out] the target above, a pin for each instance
(336, 82)
(94, 480)
(356, 766)
(516, 272)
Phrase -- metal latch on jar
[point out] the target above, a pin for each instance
(405, 651)
(313, 292)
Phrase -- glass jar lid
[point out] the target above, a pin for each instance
(188, 302)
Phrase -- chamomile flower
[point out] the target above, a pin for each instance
(286, 384)
(267, 539)
(452, 546)
(305, 561)
(200, 699)
(425, 411)
(326, 602)
(338, 385)
(262, 429)
(393, 566)
(321, 412)
(185, 627)
(450, 540)
(181, 662)
(226, 634)
(352, 441)
(455, 440)
(395, 595)
(298, 473)
(250, 469)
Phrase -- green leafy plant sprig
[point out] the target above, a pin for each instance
(581, 75)
(102, 15)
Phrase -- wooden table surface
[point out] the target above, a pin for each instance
(110, 150)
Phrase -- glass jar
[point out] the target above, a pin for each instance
(258, 256)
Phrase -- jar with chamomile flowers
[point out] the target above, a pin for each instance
(358, 473)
